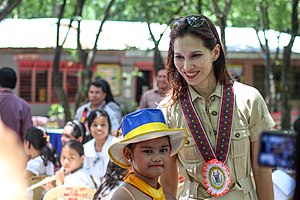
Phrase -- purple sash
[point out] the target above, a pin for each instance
(224, 126)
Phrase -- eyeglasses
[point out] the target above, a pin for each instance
(193, 20)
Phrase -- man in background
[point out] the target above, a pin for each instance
(151, 98)
(14, 111)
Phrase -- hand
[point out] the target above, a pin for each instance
(60, 175)
(48, 186)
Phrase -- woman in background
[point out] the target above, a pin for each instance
(100, 97)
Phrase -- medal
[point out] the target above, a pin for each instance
(215, 172)
(216, 177)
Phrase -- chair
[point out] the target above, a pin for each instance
(70, 192)
(37, 192)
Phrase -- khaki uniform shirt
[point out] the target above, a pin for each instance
(250, 117)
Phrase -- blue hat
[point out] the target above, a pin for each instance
(142, 125)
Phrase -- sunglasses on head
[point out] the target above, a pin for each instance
(192, 20)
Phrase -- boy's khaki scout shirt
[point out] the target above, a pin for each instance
(250, 117)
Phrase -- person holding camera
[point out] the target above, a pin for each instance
(224, 119)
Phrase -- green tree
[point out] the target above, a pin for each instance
(286, 73)
(7, 6)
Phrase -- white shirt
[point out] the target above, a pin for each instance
(37, 167)
(96, 162)
(81, 177)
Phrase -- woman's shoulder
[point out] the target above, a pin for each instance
(113, 105)
(245, 91)
(243, 88)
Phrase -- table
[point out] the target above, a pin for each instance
(55, 135)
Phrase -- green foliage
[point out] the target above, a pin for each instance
(56, 112)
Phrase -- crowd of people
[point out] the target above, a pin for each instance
(198, 125)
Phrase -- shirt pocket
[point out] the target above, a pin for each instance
(240, 143)
(189, 154)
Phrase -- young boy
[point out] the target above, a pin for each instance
(146, 147)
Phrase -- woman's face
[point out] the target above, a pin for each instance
(96, 95)
(67, 134)
(194, 61)
(150, 158)
(100, 128)
(70, 159)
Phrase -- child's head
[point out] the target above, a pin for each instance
(73, 130)
(147, 142)
(99, 124)
(72, 156)
(149, 157)
(37, 139)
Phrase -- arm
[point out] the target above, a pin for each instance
(262, 175)
(169, 179)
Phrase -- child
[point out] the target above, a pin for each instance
(146, 146)
(42, 156)
(96, 150)
(73, 130)
(112, 179)
(73, 174)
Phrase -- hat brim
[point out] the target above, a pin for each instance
(177, 137)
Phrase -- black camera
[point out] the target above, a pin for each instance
(277, 149)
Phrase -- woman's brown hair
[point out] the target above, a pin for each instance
(202, 28)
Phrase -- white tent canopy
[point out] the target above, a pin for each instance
(118, 35)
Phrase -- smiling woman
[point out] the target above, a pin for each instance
(204, 100)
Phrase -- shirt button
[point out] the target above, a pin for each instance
(237, 135)
(212, 98)
(214, 113)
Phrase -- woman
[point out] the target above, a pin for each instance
(100, 97)
(224, 118)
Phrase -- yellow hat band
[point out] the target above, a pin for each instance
(144, 129)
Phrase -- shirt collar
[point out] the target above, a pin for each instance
(6, 90)
(195, 95)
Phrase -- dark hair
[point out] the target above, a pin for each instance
(98, 113)
(162, 67)
(39, 139)
(207, 32)
(78, 129)
(8, 77)
(77, 146)
(114, 174)
(106, 89)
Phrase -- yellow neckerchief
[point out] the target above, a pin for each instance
(156, 194)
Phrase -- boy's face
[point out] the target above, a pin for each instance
(150, 158)
(70, 159)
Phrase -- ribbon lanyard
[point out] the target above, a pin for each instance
(224, 125)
